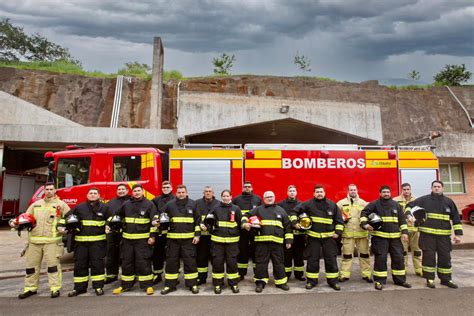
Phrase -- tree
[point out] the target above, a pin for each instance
(223, 64)
(16, 45)
(452, 75)
(414, 75)
(135, 69)
(302, 62)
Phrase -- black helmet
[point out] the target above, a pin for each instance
(73, 223)
(375, 221)
(419, 214)
(115, 223)
(210, 222)
(164, 221)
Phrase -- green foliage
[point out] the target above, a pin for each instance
(172, 75)
(302, 62)
(411, 87)
(135, 69)
(452, 75)
(15, 45)
(414, 75)
(223, 64)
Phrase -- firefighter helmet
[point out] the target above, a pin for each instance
(375, 221)
(419, 214)
(115, 223)
(210, 222)
(305, 221)
(24, 221)
(73, 223)
(164, 221)
(255, 224)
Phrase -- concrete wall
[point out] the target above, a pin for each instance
(202, 112)
(456, 146)
(464, 199)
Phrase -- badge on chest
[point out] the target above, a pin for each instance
(190, 211)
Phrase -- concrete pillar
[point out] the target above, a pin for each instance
(156, 84)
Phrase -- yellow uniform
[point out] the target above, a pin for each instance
(45, 241)
(353, 235)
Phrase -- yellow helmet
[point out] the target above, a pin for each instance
(305, 221)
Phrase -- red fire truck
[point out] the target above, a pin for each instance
(269, 167)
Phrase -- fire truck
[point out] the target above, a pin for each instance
(269, 167)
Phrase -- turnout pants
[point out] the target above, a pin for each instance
(180, 248)
(136, 261)
(203, 249)
(362, 245)
(264, 251)
(294, 256)
(224, 253)
(89, 256)
(246, 251)
(112, 261)
(413, 245)
(313, 252)
(432, 246)
(51, 252)
(381, 247)
(159, 255)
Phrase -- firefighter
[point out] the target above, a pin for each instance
(246, 201)
(435, 234)
(354, 235)
(203, 248)
(225, 243)
(138, 236)
(294, 260)
(90, 244)
(386, 239)
(159, 250)
(112, 261)
(327, 226)
(275, 230)
(413, 234)
(183, 235)
(44, 241)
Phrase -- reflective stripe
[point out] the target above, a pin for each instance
(100, 277)
(180, 235)
(412, 229)
(357, 234)
(278, 240)
(319, 235)
(62, 221)
(153, 229)
(386, 235)
(380, 273)
(226, 224)
(339, 227)
(81, 279)
(363, 219)
(244, 211)
(429, 269)
(142, 278)
(300, 269)
(288, 269)
(263, 280)
(267, 222)
(128, 278)
(90, 238)
(171, 276)
(398, 272)
(182, 219)
(332, 275)
(442, 217)
(159, 271)
(445, 270)
(202, 270)
(457, 227)
(403, 226)
(217, 275)
(281, 281)
(433, 231)
(322, 220)
(30, 288)
(345, 274)
(197, 228)
(390, 219)
(233, 276)
(288, 236)
(85, 222)
(134, 220)
(225, 239)
(189, 276)
(136, 236)
(44, 240)
(293, 218)
(312, 275)
(242, 265)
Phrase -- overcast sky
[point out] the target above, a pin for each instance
(351, 40)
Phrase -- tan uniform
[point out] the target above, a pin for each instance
(45, 241)
(353, 235)
(413, 237)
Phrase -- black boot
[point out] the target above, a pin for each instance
(27, 294)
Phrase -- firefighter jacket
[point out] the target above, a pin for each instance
(325, 217)
(48, 213)
(288, 205)
(228, 221)
(116, 203)
(184, 219)
(352, 207)
(247, 201)
(137, 215)
(403, 203)
(393, 218)
(275, 226)
(440, 212)
(203, 207)
(92, 217)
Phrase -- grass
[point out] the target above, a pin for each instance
(412, 87)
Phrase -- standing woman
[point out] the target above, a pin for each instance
(225, 243)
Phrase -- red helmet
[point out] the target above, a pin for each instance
(255, 221)
(25, 221)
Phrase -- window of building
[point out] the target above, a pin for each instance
(452, 177)
(127, 168)
(73, 171)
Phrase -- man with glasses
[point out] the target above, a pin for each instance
(246, 201)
